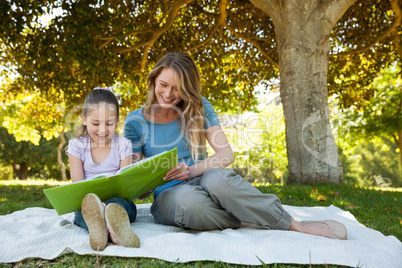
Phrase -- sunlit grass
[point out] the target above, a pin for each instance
(391, 189)
(34, 182)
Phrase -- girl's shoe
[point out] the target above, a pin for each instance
(93, 212)
(119, 227)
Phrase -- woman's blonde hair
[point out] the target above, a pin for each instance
(190, 108)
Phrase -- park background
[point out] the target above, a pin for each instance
(308, 92)
(54, 52)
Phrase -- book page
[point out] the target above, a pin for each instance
(137, 179)
(103, 175)
(138, 162)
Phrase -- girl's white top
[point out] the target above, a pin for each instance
(121, 147)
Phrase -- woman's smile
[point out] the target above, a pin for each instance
(166, 99)
(166, 89)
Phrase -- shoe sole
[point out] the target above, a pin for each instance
(338, 230)
(119, 227)
(94, 216)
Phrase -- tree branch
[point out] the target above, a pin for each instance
(398, 13)
(220, 21)
(156, 33)
(398, 44)
(334, 9)
(169, 22)
(111, 38)
(251, 40)
(269, 7)
(395, 140)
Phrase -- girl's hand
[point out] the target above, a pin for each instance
(179, 172)
(76, 169)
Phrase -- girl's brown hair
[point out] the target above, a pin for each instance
(92, 101)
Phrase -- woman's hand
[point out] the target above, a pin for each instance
(179, 172)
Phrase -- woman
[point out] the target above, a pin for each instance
(200, 193)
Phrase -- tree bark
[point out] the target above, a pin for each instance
(302, 30)
(20, 170)
(59, 156)
(398, 142)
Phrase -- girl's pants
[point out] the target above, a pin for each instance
(219, 199)
(128, 206)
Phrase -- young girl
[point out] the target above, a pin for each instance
(97, 149)
(200, 193)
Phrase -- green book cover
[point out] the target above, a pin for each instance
(128, 183)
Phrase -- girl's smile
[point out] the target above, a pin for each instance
(101, 123)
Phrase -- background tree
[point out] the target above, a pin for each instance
(373, 133)
(237, 44)
(258, 140)
(382, 115)
(27, 158)
(30, 117)
(379, 163)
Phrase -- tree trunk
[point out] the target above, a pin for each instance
(20, 170)
(302, 31)
(303, 63)
(59, 156)
(271, 174)
(399, 144)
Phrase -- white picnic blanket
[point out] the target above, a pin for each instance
(40, 233)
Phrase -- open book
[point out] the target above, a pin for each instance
(128, 183)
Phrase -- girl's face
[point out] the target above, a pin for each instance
(101, 123)
(166, 90)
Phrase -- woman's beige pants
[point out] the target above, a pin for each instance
(219, 199)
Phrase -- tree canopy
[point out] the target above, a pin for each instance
(382, 116)
(65, 48)
(365, 40)
(59, 50)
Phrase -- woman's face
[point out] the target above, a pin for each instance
(166, 90)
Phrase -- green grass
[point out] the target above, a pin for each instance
(380, 209)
